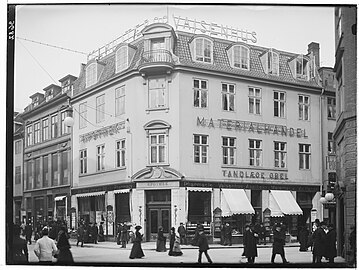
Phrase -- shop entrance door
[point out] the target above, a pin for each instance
(158, 216)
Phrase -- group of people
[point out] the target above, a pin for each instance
(175, 248)
(90, 233)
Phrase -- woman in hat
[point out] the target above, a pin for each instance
(175, 249)
(161, 240)
(136, 251)
(64, 255)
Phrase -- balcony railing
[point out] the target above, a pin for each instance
(156, 61)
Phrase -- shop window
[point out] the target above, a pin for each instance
(280, 154)
(331, 106)
(91, 74)
(304, 107)
(83, 115)
(199, 207)
(200, 93)
(304, 156)
(255, 152)
(228, 97)
(200, 145)
(157, 93)
(100, 108)
(229, 150)
(255, 100)
(237, 223)
(120, 100)
(203, 49)
(83, 161)
(279, 99)
(45, 129)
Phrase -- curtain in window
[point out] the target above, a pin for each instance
(100, 203)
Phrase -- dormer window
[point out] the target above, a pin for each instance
(239, 57)
(203, 49)
(301, 68)
(35, 101)
(273, 63)
(49, 95)
(122, 58)
(91, 74)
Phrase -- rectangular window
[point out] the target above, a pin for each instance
(83, 161)
(37, 179)
(279, 104)
(120, 153)
(54, 126)
(18, 175)
(29, 174)
(200, 92)
(228, 94)
(280, 154)
(229, 150)
(255, 152)
(255, 100)
(304, 156)
(203, 50)
(55, 169)
(120, 100)
(158, 148)
(91, 74)
(100, 158)
(157, 93)
(45, 171)
(18, 147)
(64, 168)
(241, 57)
(37, 132)
(304, 107)
(331, 143)
(45, 129)
(200, 146)
(29, 138)
(331, 108)
(64, 129)
(302, 67)
(100, 108)
(83, 115)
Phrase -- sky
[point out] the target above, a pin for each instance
(85, 28)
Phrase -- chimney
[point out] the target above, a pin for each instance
(313, 47)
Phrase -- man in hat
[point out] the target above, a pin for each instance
(45, 247)
(319, 243)
(202, 245)
(182, 233)
(278, 243)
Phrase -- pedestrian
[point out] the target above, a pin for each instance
(303, 238)
(94, 232)
(118, 235)
(101, 233)
(223, 233)
(278, 243)
(331, 240)
(161, 240)
(250, 239)
(80, 235)
(202, 245)
(353, 246)
(228, 235)
(124, 235)
(319, 243)
(45, 247)
(20, 254)
(182, 234)
(64, 255)
(175, 249)
(28, 232)
(136, 251)
(194, 241)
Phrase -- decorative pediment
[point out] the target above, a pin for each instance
(157, 173)
(156, 28)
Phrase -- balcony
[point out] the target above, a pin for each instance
(156, 62)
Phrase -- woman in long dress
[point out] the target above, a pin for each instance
(175, 248)
(136, 251)
(161, 240)
(63, 245)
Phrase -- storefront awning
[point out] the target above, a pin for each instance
(235, 201)
(282, 202)
(199, 189)
(127, 190)
(99, 193)
(59, 198)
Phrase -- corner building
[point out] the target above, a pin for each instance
(177, 127)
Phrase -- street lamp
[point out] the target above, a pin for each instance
(329, 196)
(323, 200)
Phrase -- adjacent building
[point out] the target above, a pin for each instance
(182, 127)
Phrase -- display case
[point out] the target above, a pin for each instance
(191, 230)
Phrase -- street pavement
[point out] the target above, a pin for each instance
(109, 253)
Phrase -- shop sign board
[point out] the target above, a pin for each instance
(157, 184)
(254, 174)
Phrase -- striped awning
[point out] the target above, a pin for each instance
(282, 202)
(117, 191)
(99, 193)
(201, 189)
(59, 198)
(235, 201)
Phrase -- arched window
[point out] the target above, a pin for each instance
(240, 57)
(91, 74)
(203, 50)
(122, 58)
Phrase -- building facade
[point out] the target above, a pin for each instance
(346, 128)
(47, 156)
(178, 127)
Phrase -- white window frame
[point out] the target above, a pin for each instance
(83, 161)
(54, 126)
(280, 154)
(100, 108)
(254, 99)
(201, 45)
(228, 96)
(331, 108)
(45, 129)
(37, 132)
(303, 63)
(200, 148)
(100, 158)
(241, 57)
(91, 74)
(229, 151)
(200, 93)
(120, 98)
(83, 115)
(29, 135)
(255, 153)
(159, 94)
(304, 156)
(157, 147)
(280, 102)
(121, 153)
(304, 107)
(122, 58)
(273, 63)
